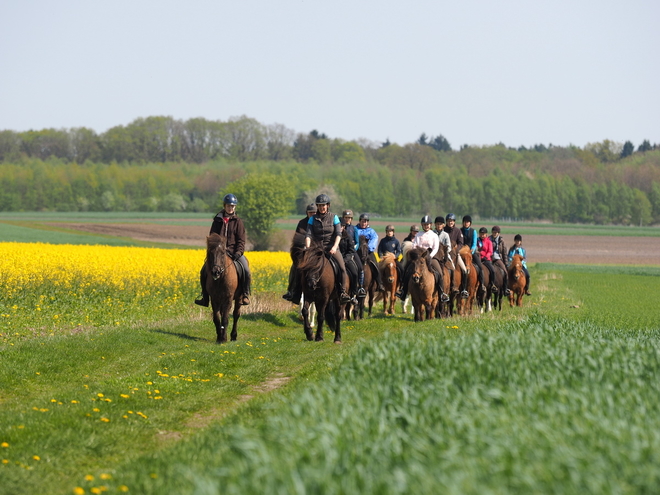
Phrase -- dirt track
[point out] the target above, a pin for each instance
(540, 248)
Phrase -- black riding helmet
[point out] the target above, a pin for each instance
(517, 237)
(467, 218)
(483, 230)
(439, 220)
(322, 199)
(229, 199)
(364, 216)
(312, 207)
(425, 219)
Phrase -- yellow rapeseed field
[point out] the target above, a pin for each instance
(83, 284)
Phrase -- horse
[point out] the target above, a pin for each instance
(422, 287)
(517, 281)
(498, 281)
(443, 309)
(319, 287)
(485, 291)
(464, 305)
(222, 285)
(390, 276)
(369, 279)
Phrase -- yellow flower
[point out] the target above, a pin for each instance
(36, 457)
(4, 444)
(89, 477)
(123, 488)
(78, 491)
(105, 476)
(124, 396)
(105, 420)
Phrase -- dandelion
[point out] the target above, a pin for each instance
(89, 477)
(124, 396)
(123, 488)
(4, 445)
(36, 457)
(78, 490)
(105, 420)
(105, 476)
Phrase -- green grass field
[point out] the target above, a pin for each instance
(560, 396)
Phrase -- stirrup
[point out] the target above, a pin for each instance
(399, 294)
(507, 292)
(464, 294)
(344, 298)
(361, 292)
(444, 297)
(493, 288)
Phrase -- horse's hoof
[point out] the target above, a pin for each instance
(337, 341)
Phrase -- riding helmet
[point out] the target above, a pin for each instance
(322, 199)
(467, 218)
(229, 199)
(483, 230)
(517, 237)
(389, 228)
(311, 207)
(347, 213)
(364, 216)
(439, 220)
(451, 216)
(496, 228)
(414, 228)
(425, 219)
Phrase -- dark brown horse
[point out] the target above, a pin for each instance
(422, 287)
(517, 281)
(498, 281)
(485, 291)
(464, 305)
(390, 276)
(319, 287)
(369, 279)
(444, 308)
(222, 286)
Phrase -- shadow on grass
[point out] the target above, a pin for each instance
(267, 317)
(181, 335)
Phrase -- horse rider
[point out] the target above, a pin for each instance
(485, 250)
(499, 255)
(390, 244)
(347, 218)
(363, 230)
(294, 290)
(324, 227)
(351, 261)
(406, 245)
(470, 240)
(427, 239)
(226, 223)
(456, 238)
(444, 239)
(518, 249)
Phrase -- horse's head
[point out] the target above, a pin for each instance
(216, 254)
(297, 247)
(388, 267)
(363, 249)
(516, 267)
(418, 258)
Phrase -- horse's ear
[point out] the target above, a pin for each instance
(426, 253)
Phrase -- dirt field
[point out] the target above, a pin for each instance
(540, 248)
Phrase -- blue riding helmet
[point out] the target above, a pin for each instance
(230, 199)
(451, 216)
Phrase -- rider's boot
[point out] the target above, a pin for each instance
(245, 299)
(203, 300)
(464, 292)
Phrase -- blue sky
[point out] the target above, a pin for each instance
(478, 72)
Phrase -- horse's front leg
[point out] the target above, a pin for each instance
(337, 325)
(320, 318)
(220, 321)
(236, 316)
(305, 314)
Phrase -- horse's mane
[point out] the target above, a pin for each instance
(297, 247)
(387, 258)
(313, 259)
(516, 260)
(416, 253)
(466, 253)
(216, 241)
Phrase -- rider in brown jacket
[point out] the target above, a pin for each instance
(227, 224)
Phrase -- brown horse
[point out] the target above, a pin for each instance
(485, 291)
(443, 309)
(369, 279)
(222, 286)
(498, 282)
(517, 281)
(390, 276)
(421, 287)
(318, 279)
(464, 305)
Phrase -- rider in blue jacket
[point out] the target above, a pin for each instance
(363, 230)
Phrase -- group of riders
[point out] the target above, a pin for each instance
(341, 240)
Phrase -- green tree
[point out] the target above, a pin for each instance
(262, 199)
(628, 149)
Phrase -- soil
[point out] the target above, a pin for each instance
(540, 248)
